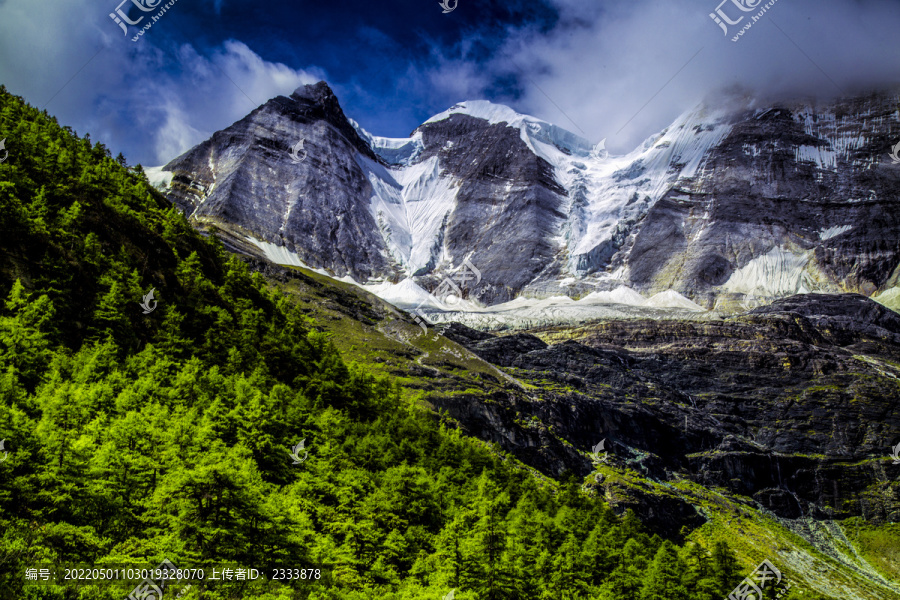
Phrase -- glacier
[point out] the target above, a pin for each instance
(411, 200)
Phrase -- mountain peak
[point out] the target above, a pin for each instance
(316, 101)
(500, 113)
(484, 109)
(318, 92)
(483, 183)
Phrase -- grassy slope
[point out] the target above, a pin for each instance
(394, 344)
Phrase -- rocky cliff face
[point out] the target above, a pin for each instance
(793, 405)
(731, 208)
(796, 198)
(245, 180)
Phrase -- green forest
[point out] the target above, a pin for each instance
(135, 438)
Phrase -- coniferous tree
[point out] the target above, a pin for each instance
(663, 581)
(725, 568)
(627, 579)
(698, 574)
(26, 334)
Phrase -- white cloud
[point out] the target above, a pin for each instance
(601, 64)
(206, 94)
(176, 135)
(155, 99)
(593, 72)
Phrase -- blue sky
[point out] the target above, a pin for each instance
(620, 70)
(372, 53)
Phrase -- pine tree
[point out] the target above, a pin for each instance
(26, 336)
(627, 579)
(698, 576)
(725, 568)
(663, 580)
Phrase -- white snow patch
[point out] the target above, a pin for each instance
(411, 204)
(623, 303)
(279, 254)
(409, 295)
(405, 294)
(672, 299)
(621, 189)
(776, 274)
(533, 130)
(282, 256)
(620, 295)
(827, 234)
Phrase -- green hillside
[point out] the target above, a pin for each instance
(135, 438)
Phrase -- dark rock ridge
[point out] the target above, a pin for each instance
(507, 209)
(794, 405)
(844, 320)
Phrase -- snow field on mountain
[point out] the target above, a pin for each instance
(531, 127)
(775, 274)
(620, 295)
(282, 256)
(622, 188)
(614, 190)
(672, 299)
(396, 151)
(528, 313)
(412, 202)
(406, 294)
(623, 302)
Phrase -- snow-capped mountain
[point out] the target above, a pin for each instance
(727, 208)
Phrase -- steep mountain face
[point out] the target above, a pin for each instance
(244, 180)
(505, 206)
(730, 208)
(794, 199)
